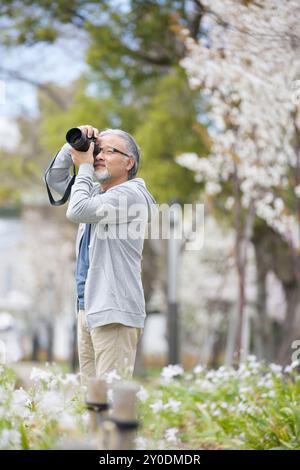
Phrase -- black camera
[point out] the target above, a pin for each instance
(80, 141)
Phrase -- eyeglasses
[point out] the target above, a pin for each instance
(111, 151)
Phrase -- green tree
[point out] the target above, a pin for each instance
(168, 130)
(133, 55)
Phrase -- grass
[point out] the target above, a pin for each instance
(255, 406)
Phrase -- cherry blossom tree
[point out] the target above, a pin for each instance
(246, 62)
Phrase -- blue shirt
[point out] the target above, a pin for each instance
(83, 265)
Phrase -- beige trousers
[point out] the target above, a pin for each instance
(106, 348)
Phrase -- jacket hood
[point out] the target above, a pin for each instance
(140, 185)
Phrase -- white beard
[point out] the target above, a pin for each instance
(103, 176)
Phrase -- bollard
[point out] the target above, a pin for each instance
(97, 404)
(124, 416)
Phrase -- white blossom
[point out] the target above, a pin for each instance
(111, 376)
(171, 371)
(40, 374)
(20, 403)
(172, 404)
(212, 188)
(10, 438)
(276, 368)
(247, 64)
(67, 421)
(142, 394)
(157, 406)
(171, 435)
(141, 443)
(51, 402)
(198, 369)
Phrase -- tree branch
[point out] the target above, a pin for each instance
(41, 86)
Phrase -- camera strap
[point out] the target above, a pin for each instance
(68, 190)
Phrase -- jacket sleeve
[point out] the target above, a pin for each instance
(58, 177)
(119, 204)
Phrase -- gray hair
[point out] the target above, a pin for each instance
(132, 148)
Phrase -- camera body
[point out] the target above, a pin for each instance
(80, 141)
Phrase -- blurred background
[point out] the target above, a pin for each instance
(209, 91)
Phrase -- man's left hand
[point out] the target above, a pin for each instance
(83, 157)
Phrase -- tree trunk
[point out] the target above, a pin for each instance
(273, 254)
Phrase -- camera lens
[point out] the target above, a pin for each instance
(77, 139)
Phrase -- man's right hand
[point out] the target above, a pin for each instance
(89, 130)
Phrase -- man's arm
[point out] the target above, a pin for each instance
(58, 177)
(118, 204)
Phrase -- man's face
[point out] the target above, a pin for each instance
(110, 165)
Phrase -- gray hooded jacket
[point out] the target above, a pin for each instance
(119, 218)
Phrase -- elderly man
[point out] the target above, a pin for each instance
(112, 214)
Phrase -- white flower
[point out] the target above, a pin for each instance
(67, 421)
(111, 376)
(204, 385)
(141, 443)
(39, 374)
(20, 396)
(210, 374)
(245, 389)
(269, 383)
(229, 203)
(20, 403)
(51, 402)
(224, 405)
(142, 394)
(10, 438)
(212, 188)
(157, 406)
(171, 371)
(241, 407)
(251, 358)
(261, 383)
(173, 404)
(198, 369)
(278, 205)
(70, 379)
(170, 435)
(276, 368)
